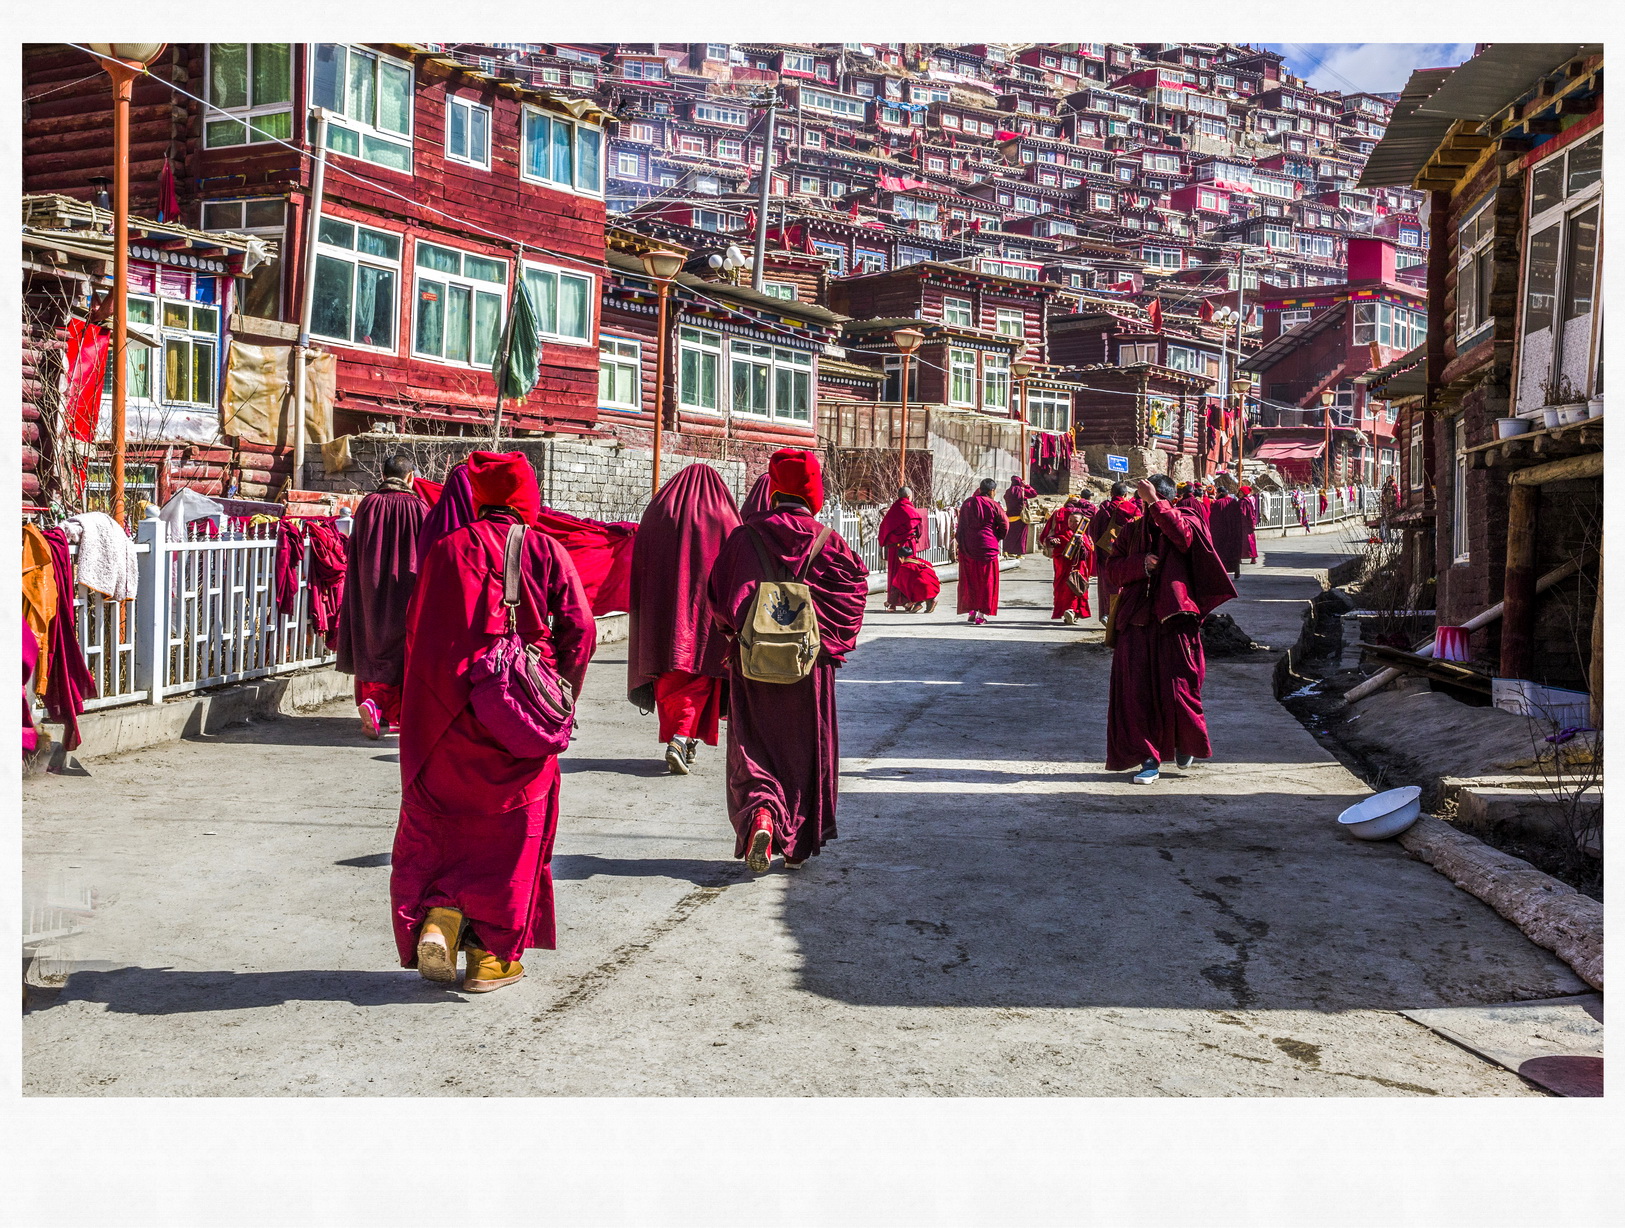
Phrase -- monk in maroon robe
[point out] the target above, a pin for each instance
(381, 574)
(1249, 512)
(1016, 497)
(904, 534)
(758, 499)
(1227, 521)
(980, 533)
(1192, 498)
(477, 822)
(675, 658)
(783, 742)
(1108, 520)
(1169, 579)
(1065, 539)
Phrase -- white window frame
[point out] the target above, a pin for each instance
(996, 381)
(365, 130)
(628, 165)
(476, 288)
(1536, 370)
(1183, 358)
(1461, 549)
(271, 271)
(784, 373)
(731, 149)
(246, 133)
(1010, 322)
(455, 104)
(959, 312)
(536, 275)
(618, 355)
(578, 129)
(1049, 410)
(781, 289)
(192, 338)
(356, 259)
(707, 349)
(962, 378)
(711, 113)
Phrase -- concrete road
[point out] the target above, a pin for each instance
(999, 916)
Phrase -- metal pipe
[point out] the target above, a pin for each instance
(123, 89)
(902, 435)
(307, 297)
(662, 344)
(767, 180)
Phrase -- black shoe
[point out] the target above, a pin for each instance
(1184, 761)
(690, 749)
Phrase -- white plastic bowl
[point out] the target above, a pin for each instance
(1506, 428)
(1383, 816)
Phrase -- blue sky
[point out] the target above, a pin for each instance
(1375, 68)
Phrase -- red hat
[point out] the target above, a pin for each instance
(1246, 490)
(505, 479)
(791, 471)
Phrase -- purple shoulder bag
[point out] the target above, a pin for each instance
(518, 695)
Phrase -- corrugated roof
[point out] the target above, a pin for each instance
(1411, 138)
(1498, 77)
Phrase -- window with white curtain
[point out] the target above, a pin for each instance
(1559, 350)
(458, 305)
(562, 300)
(962, 377)
(369, 99)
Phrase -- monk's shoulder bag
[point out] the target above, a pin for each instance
(780, 641)
(518, 694)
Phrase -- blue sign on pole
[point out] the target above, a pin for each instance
(1116, 464)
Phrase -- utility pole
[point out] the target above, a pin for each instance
(1235, 368)
(307, 293)
(766, 184)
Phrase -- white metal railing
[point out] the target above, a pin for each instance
(1279, 510)
(107, 637)
(861, 531)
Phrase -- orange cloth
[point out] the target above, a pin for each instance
(39, 595)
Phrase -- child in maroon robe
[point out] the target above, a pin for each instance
(475, 836)
(783, 743)
(980, 533)
(903, 534)
(1065, 539)
(1169, 578)
(675, 656)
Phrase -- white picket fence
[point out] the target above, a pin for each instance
(1278, 511)
(860, 530)
(204, 615)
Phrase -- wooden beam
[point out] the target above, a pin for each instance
(1570, 469)
(1518, 594)
(1594, 680)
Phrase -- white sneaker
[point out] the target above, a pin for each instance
(1070, 618)
(1148, 773)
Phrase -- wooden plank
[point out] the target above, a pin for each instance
(1518, 593)
(1573, 468)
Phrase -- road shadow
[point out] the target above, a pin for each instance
(293, 730)
(166, 991)
(369, 862)
(574, 867)
(654, 765)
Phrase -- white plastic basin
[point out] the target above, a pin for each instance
(1383, 816)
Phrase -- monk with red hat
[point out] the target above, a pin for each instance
(1065, 539)
(1249, 511)
(1109, 519)
(783, 742)
(980, 534)
(905, 535)
(674, 661)
(1169, 579)
(475, 835)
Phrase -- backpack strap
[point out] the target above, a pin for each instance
(770, 568)
(511, 553)
(818, 544)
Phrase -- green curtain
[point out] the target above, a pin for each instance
(517, 361)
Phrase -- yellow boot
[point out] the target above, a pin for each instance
(437, 944)
(486, 972)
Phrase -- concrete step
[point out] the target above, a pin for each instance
(1531, 807)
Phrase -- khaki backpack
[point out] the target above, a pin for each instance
(780, 641)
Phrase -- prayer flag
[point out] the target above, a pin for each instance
(517, 361)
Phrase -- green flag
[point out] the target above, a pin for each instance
(516, 365)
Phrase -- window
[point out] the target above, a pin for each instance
(628, 165)
(1416, 456)
(356, 292)
(1294, 319)
(1163, 415)
(1474, 271)
(815, 140)
(717, 51)
(957, 311)
(916, 210)
(260, 293)
(1207, 200)
(834, 104)
(794, 61)
(706, 185)
(807, 185)
(691, 143)
(253, 81)
(868, 260)
(620, 374)
(867, 90)
(712, 114)
(712, 220)
(995, 381)
(638, 132)
(1458, 494)
(1163, 257)
(912, 255)
(962, 377)
(459, 303)
(562, 301)
(837, 189)
(1183, 358)
(1049, 411)
(561, 152)
(1129, 355)
(699, 368)
(731, 150)
(1103, 200)
(1010, 322)
(468, 132)
(183, 360)
(1558, 354)
(770, 381)
(780, 289)
(370, 97)
(835, 250)
(641, 70)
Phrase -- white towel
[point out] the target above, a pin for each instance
(106, 559)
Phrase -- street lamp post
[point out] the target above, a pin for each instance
(1021, 368)
(1326, 399)
(661, 268)
(907, 340)
(123, 62)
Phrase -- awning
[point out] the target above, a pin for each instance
(1494, 80)
(1410, 138)
(1289, 449)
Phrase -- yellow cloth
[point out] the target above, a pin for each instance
(258, 405)
(336, 455)
(39, 595)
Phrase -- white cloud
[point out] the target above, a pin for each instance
(1377, 68)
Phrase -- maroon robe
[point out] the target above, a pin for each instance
(477, 823)
(671, 631)
(1249, 512)
(783, 741)
(1057, 535)
(903, 525)
(1154, 705)
(1110, 517)
(1016, 496)
(1196, 504)
(980, 533)
(758, 500)
(380, 577)
(916, 581)
(452, 510)
(1228, 523)
(68, 681)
